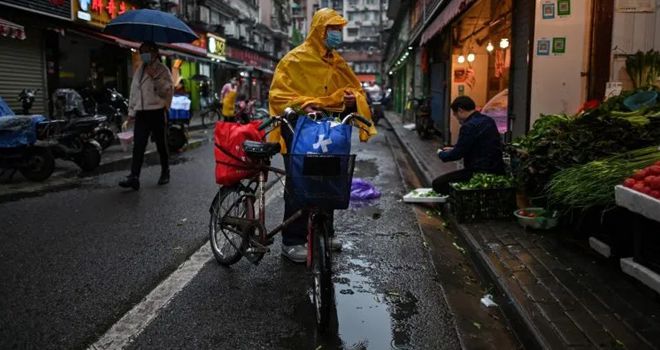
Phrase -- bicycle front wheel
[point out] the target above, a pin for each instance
(321, 273)
(228, 241)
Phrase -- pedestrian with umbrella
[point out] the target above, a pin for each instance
(152, 86)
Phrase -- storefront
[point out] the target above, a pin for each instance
(24, 29)
(255, 72)
(87, 59)
(481, 59)
(190, 68)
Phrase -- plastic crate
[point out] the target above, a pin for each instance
(475, 205)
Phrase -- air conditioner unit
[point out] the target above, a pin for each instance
(204, 15)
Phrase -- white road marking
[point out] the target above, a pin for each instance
(131, 325)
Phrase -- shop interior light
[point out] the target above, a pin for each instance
(410, 47)
(490, 47)
(461, 59)
(471, 57)
(390, 73)
(504, 43)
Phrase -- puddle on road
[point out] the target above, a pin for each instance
(368, 319)
(365, 318)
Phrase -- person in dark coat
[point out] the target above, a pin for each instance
(479, 145)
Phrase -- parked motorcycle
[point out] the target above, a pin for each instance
(21, 150)
(108, 103)
(76, 131)
(70, 104)
(27, 97)
(75, 141)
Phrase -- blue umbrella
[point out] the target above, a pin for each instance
(150, 25)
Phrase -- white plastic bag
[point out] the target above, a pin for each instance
(125, 137)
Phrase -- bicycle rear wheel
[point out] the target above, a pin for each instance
(321, 269)
(228, 241)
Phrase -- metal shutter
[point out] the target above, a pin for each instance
(21, 67)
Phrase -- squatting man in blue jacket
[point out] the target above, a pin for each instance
(479, 145)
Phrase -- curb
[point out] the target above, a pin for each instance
(514, 312)
(72, 179)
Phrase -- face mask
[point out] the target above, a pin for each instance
(333, 39)
(146, 57)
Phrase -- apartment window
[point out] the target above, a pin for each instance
(371, 2)
(351, 16)
(215, 18)
(353, 2)
(352, 31)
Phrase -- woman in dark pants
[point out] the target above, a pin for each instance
(151, 95)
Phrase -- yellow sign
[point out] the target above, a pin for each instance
(99, 12)
(215, 46)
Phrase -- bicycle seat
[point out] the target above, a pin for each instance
(260, 150)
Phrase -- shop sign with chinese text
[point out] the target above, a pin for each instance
(215, 46)
(100, 12)
(249, 58)
(54, 8)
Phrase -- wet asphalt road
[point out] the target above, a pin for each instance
(74, 262)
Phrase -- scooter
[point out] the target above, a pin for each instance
(27, 97)
(21, 150)
(76, 131)
(109, 103)
(75, 141)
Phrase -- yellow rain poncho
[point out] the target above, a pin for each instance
(309, 74)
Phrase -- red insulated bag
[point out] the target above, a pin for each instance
(231, 163)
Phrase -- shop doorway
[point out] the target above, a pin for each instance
(439, 96)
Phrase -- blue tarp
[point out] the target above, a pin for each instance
(17, 131)
(4, 108)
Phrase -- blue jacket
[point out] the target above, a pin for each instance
(479, 145)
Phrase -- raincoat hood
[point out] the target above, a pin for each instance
(313, 74)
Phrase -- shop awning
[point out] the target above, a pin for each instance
(11, 30)
(183, 51)
(264, 70)
(453, 9)
(107, 38)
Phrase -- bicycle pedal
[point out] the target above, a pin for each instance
(258, 250)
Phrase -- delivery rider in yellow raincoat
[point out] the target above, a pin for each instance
(314, 77)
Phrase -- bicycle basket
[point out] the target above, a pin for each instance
(320, 180)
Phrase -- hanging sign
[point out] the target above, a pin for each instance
(99, 12)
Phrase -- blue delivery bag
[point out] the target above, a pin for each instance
(320, 164)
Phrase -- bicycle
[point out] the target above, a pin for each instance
(236, 230)
(211, 112)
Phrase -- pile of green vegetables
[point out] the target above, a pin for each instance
(482, 181)
(644, 68)
(592, 184)
(559, 142)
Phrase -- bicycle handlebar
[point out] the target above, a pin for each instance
(288, 112)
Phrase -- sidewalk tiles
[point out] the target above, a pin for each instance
(564, 296)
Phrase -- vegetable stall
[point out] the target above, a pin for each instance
(572, 163)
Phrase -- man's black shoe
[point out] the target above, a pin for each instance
(164, 178)
(130, 182)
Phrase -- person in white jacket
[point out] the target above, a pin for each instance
(150, 98)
